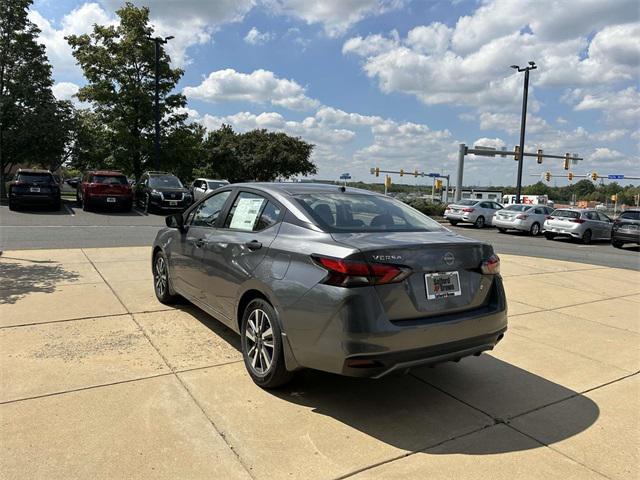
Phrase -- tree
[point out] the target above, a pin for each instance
(257, 155)
(32, 121)
(88, 146)
(182, 150)
(118, 63)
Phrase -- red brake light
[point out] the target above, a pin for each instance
(352, 273)
(491, 266)
(467, 209)
(522, 216)
(577, 220)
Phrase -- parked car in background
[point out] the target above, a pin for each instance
(582, 224)
(626, 228)
(342, 280)
(73, 182)
(104, 188)
(526, 218)
(34, 188)
(202, 186)
(478, 212)
(161, 191)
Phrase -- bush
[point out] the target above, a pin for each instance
(428, 208)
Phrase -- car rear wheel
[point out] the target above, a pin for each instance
(262, 349)
(502, 230)
(586, 237)
(535, 229)
(78, 200)
(86, 204)
(548, 236)
(161, 284)
(617, 243)
(479, 223)
(453, 222)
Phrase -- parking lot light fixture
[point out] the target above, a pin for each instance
(157, 41)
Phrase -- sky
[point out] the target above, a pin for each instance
(398, 84)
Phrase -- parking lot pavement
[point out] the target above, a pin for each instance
(99, 380)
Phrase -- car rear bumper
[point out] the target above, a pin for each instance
(358, 340)
(118, 200)
(460, 217)
(511, 224)
(626, 236)
(563, 232)
(34, 199)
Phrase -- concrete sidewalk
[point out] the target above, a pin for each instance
(99, 380)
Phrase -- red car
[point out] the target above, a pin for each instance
(104, 188)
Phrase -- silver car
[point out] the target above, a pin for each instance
(526, 218)
(332, 278)
(582, 224)
(478, 212)
(202, 186)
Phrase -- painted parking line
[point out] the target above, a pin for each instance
(135, 209)
(69, 210)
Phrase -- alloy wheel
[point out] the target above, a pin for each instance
(160, 277)
(259, 338)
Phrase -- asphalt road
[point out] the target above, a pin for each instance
(71, 227)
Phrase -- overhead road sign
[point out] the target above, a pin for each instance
(615, 177)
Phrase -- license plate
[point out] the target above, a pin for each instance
(173, 203)
(629, 227)
(111, 200)
(442, 285)
(35, 189)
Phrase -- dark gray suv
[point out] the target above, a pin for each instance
(341, 280)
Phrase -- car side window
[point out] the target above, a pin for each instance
(207, 213)
(269, 217)
(603, 217)
(590, 216)
(485, 205)
(247, 213)
(538, 211)
(497, 206)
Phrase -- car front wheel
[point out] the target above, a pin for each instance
(453, 222)
(586, 237)
(161, 284)
(262, 349)
(617, 243)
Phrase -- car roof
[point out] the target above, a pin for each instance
(296, 188)
(106, 172)
(33, 170)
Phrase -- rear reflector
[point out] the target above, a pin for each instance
(491, 266)
(351, 273)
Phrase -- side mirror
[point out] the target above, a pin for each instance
(175, 221)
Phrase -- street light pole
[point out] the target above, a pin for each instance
(523, 123)
(156, 107)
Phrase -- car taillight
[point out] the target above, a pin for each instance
(549, 217)
(352, 273)
(467, 210)
(491, 266)
(522, 216)
(577, 220)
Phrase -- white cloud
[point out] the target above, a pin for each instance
(371, 45)
(603, 153)
(429, 39)
(255, 37)
(336, 16)
(619, 107)
(66, 91)
(260, 86)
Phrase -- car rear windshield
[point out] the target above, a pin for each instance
(33, 177)
(109, 179)
(566, 214)
(355, 212)
(466, 202)
(630, 215)
(518, 208)
(164, 181)
(214, 185)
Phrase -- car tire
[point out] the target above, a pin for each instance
(548, 236)
(57, 205)
(161, 282)
(534, 231)
(479, 223)
(264, 358)
(587, 237)
(617, 243)
(78, 200)
(86, 205)
(147, 200)
(502, 230)
(453, 222)
(12, 206)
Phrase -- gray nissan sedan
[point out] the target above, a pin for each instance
(331, 278)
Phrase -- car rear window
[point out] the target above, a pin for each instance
(33, 177)
(214, 185)
(164, 181)
(566, 214)
(466, 202)
(354, 212)
(518, 208)
(630, 215)
(109, 179)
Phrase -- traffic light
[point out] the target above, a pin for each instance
(594, 176)
(567, 157)
(547, 176)
(387, 182)
(401, 172)
(377, 170)
(438, 184)
(570, 176)
(539, 155)
(516, 156)
(415, 173)
(614, 197)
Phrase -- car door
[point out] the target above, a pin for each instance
(187, 258)
(232, 253)
(607, 224)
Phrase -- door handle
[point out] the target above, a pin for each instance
(253, 245)
(199, 243)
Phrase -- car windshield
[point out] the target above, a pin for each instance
(566, 214)
(33, 177)
(466, 202)
(214, 185)
(109, 179)
(630, 215)
(355, 212)
(164, 181)
(518, 208)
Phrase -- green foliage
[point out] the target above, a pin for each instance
(428, 208)
(119, 65)
(32, 122)
(89, 145)
(257, 155)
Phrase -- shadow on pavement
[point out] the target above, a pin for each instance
(18, 280)
(404, 412)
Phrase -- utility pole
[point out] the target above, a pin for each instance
(156, 108)
(461, 153)
(523, 122)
